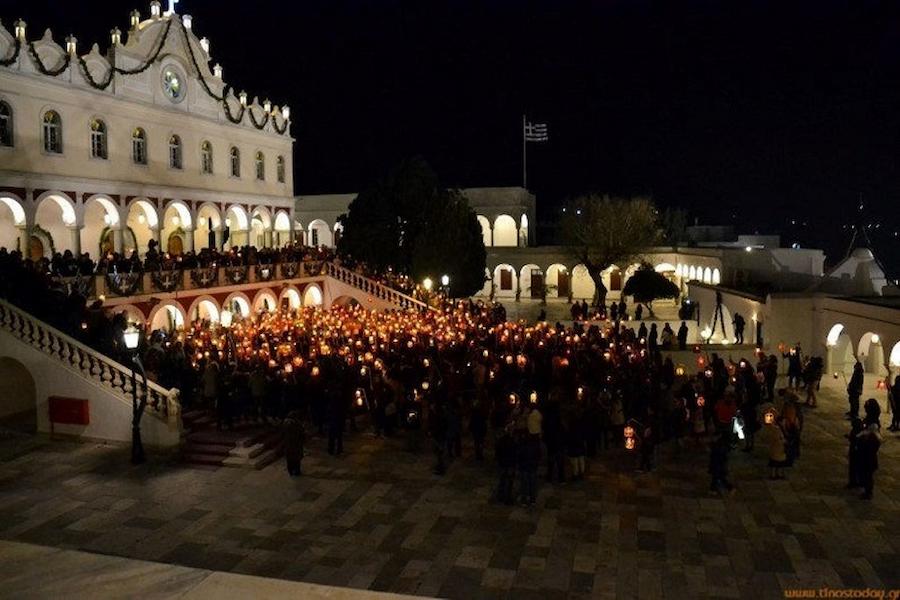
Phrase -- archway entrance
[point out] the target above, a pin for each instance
(18, 396)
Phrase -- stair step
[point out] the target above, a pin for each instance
(204, 459)
(208, 449)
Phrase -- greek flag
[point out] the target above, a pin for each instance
(536, 132)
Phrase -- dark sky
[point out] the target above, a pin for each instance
(756, 113)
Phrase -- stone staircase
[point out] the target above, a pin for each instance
(247, 446)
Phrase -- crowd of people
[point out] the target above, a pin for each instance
(536, 394)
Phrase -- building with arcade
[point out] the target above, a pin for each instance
(144, 140)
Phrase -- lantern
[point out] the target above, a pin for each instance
(426, 363)
(359, 398)
(708, 373)
(629, 443)
(512, 398)
(509, 359)
(701, 401)
(533, 397)
(315, 371)
(363, 371)
(679, 370)
(580, 393)
(425, 385)
(288, 368)
(485, 354)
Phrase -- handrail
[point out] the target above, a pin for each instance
(162, 403)
(370, 286)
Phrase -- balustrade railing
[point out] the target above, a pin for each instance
(129, 284)
(371, 287)
(88, 362)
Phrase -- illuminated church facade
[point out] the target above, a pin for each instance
(107, 150)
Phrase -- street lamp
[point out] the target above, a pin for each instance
(132, 339)
(428, 284)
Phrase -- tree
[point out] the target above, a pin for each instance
(600, 231)
(646, 285)
(409, 222)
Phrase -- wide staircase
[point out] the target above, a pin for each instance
(247, 445)
(63, 367)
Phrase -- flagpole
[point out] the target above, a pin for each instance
(524, 156)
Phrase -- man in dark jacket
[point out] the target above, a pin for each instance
(855, 389)
(682, 336)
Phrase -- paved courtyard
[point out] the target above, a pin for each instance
(377, 519)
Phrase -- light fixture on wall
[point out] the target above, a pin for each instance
(217, 70)
(286, 111)
(187, 20)
(71, 45)
(135, 19)
(115, 36)
(243, 98)
(204, 43)
(20, 29)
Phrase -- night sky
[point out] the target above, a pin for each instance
(751, 113)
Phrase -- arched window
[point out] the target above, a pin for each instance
(139, 146)
(260, 166)
(98, 139)
(175, 152)
(206, 158)
(235, 162)
(6, 125)
(280, 169)
(52, 132)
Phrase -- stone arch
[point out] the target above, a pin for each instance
(506, 281)
(716, 276)
(707, 275)
(142, 219)
(840, 350)
(523, 231)
(559, 280)
(238, 223)
(692, 273)
(582, 285)
(485, 230)
(13, 222)
(312, 295)
(320, 233)
(132, 313)
(18, 395)
(265, 299)
(291, 295)
(871, 353)
(101, 218)
(238, 303)
(261, 225)
(525, 280)
(168, 315)
(209, 220)
(665, 267)
(177, 221)
(345, 301)
(204, 308)
(506, 231)
(55, 214)
(282, 227)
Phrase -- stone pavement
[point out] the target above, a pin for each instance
(378, 519)
(30, 571)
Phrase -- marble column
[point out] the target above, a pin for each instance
(74, 239)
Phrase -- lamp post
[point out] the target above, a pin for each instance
(445, 284)
(132, 340)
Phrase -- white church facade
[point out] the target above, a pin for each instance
(143, 141)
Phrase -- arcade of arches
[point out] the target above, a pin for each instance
(40, 223)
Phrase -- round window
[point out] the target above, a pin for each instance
(173, 84)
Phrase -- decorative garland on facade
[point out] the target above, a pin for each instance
(40, 65)
(265, 272)
(236, 275)
(314, 269)
(165, 281)
(204, 277)
(289, 270)
(124, 284)
(17, 47)
(113, 70)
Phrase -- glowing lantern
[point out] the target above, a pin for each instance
(315, 371)
(533, 397)
(359, 398)
(679, 370)
(425, 385)
(629, 443)
(512, 398)
(580, 393)
(288, 368)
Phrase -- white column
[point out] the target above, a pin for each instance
(74, 239)
(118, 240)
(188, 240)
